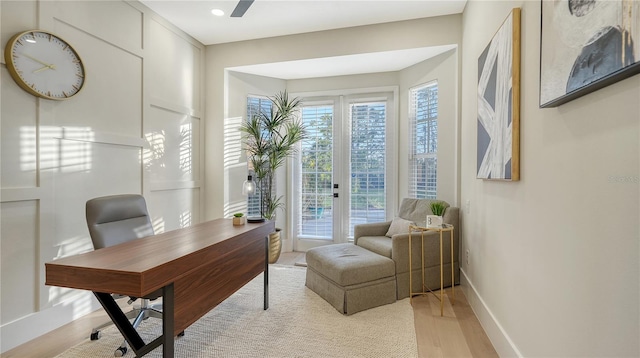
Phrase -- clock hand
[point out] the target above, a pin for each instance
(35, 59)
(52, 67)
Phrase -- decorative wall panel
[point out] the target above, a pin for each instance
(18, 250)
(116, 22)
(174, 209)
(18, 129)
(58, 154)
(112, 95)
(172, 152)
(82, 162)
(176, 85)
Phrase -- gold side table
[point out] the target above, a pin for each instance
(422, 230)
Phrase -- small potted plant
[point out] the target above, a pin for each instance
(437, 209)
(238, 219)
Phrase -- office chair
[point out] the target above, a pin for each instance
(114, 220)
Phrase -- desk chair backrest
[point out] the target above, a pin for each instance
(113, 220)
(116, 219)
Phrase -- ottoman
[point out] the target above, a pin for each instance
(351, 278)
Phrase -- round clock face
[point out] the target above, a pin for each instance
(44, 65)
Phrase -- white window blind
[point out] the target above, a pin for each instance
(255, 106)
(423, 127)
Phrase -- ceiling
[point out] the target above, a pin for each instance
(345, 65)
(270, 18)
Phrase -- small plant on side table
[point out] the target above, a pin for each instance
(437, 208)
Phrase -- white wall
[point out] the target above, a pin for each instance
(444, 68)
(437, 31)
(134, 128)
(554, 258)
(241, 85)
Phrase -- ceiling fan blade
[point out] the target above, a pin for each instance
(241, 8)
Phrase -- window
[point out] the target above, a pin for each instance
(368, 162)
(341, 178)
(316, 172)
(255, 106)
(423, 127)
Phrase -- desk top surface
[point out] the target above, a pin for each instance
(143, 261)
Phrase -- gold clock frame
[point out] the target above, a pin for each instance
(20, 81)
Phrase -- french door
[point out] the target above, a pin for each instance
(342, 172)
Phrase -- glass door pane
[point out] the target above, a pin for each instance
(341, 176)
(316, 174)
(368, 163)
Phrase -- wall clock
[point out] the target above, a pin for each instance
(44, 65)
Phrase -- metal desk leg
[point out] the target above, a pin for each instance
(131, 335)
(168, 304)
(166, 339)
(120, 320)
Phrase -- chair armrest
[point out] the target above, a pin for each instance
(400, 252)
(370, 229)
(452, 216)
(400, 244)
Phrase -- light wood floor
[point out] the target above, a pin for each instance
(457, 334)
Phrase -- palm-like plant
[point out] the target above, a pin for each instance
(270, 139)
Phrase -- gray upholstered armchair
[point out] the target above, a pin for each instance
(373, 238)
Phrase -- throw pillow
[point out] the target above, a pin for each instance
(399, 226)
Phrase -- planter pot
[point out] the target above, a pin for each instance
(275, 246)
(434, 221)
(316, 212)
(238, 221)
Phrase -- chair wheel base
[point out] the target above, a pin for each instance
(121, 351)
(95, 335)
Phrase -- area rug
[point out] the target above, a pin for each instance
(298, 323)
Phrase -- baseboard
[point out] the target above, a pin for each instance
(494, 330)
(36, 324)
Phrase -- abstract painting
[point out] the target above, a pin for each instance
(586, 45)
(499, 103)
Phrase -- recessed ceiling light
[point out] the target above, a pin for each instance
(217, 12)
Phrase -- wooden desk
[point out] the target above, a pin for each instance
(196, 268)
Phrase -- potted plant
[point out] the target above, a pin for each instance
(238, 219)
(437, 209)
(271, 138)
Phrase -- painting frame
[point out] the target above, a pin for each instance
(586, 46)
(498, 120)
